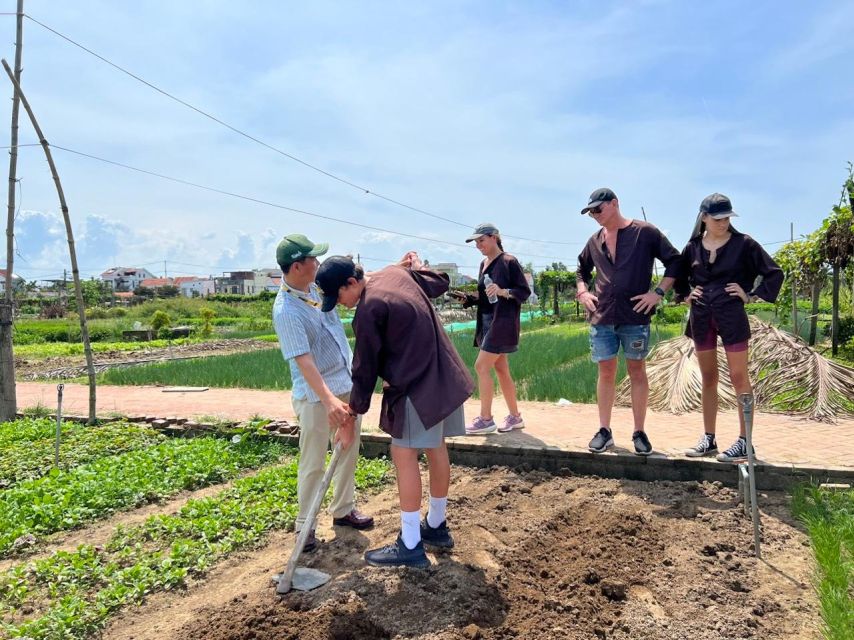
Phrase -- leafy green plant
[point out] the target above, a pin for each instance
(829, 519)
(160, 320)
(37, 411)
(28, 449)
(207, 314)
(71, 594)
(65, 499)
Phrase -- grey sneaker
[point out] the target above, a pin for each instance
(512, 422)
(705, 447)
(481, 426)
(642, 444)
(602, 441)
(736, 453)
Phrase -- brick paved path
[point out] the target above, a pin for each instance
(779, 439)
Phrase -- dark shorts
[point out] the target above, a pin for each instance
(709, 341)
(485, 344)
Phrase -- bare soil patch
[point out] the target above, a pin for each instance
(537, 556)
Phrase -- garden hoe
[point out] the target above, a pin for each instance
(747, 402)
(304, 578)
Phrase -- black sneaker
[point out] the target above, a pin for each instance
(642, 444)
(705, 447)
(436, 536)
(602, 441)
(396, 554)
(736, 453)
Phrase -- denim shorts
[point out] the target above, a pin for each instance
(605, 341)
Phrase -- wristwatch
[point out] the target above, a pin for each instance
(659, 291)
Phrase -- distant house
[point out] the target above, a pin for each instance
(124, 297)
(451, 269)
(17, 281)
(126, 278)
(156, 283)
(236, 282)
(273, 284)
(194, 287)
(464, 279)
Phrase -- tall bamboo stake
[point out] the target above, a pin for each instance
(75, 272)
(8, 401)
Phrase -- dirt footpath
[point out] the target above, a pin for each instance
(537, 556)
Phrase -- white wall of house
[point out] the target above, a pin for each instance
(200, 287)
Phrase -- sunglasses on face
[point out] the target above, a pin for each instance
(596, 211)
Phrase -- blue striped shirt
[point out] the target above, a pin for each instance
(302, 329)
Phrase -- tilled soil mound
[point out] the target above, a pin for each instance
(538, 557)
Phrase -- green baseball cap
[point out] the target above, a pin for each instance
(296, 247)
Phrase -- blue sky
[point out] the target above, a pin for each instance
(507, 112)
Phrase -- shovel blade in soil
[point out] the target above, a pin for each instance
(305, 579)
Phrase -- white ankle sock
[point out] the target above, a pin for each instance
(436, 513)
(410, 528)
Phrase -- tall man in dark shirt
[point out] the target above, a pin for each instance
(623, 253)
(400, 339)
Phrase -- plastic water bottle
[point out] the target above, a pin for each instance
(486, 282)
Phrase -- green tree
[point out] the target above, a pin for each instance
(160, 320)
(168, 291)
(555, 281)
(94, 293)
(803, 263)
(837, 246)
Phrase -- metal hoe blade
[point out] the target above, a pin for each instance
(291, 577)
(305, 579)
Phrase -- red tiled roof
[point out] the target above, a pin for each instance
(182, 279)
(123, 294)
(156, 282)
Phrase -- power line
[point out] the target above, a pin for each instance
(272, 204)
(256, 140)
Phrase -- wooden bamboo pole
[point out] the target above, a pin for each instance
(8, 400)
(75, 272)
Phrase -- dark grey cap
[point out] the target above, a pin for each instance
(483, 229)
(598, 197)
(718, 206)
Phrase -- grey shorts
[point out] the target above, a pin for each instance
(417, 436)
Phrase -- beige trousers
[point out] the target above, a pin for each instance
(315, 436)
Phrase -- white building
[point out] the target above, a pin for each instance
(451, 269)
(17, 281)
(126, 278)
(194, 287)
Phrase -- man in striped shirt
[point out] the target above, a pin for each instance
(316, 348)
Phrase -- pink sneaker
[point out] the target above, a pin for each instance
(481, 426)
(512, 422)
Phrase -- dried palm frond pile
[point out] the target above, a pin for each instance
(787, 376)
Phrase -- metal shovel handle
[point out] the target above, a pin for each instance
(747, 402)
(288, 574)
